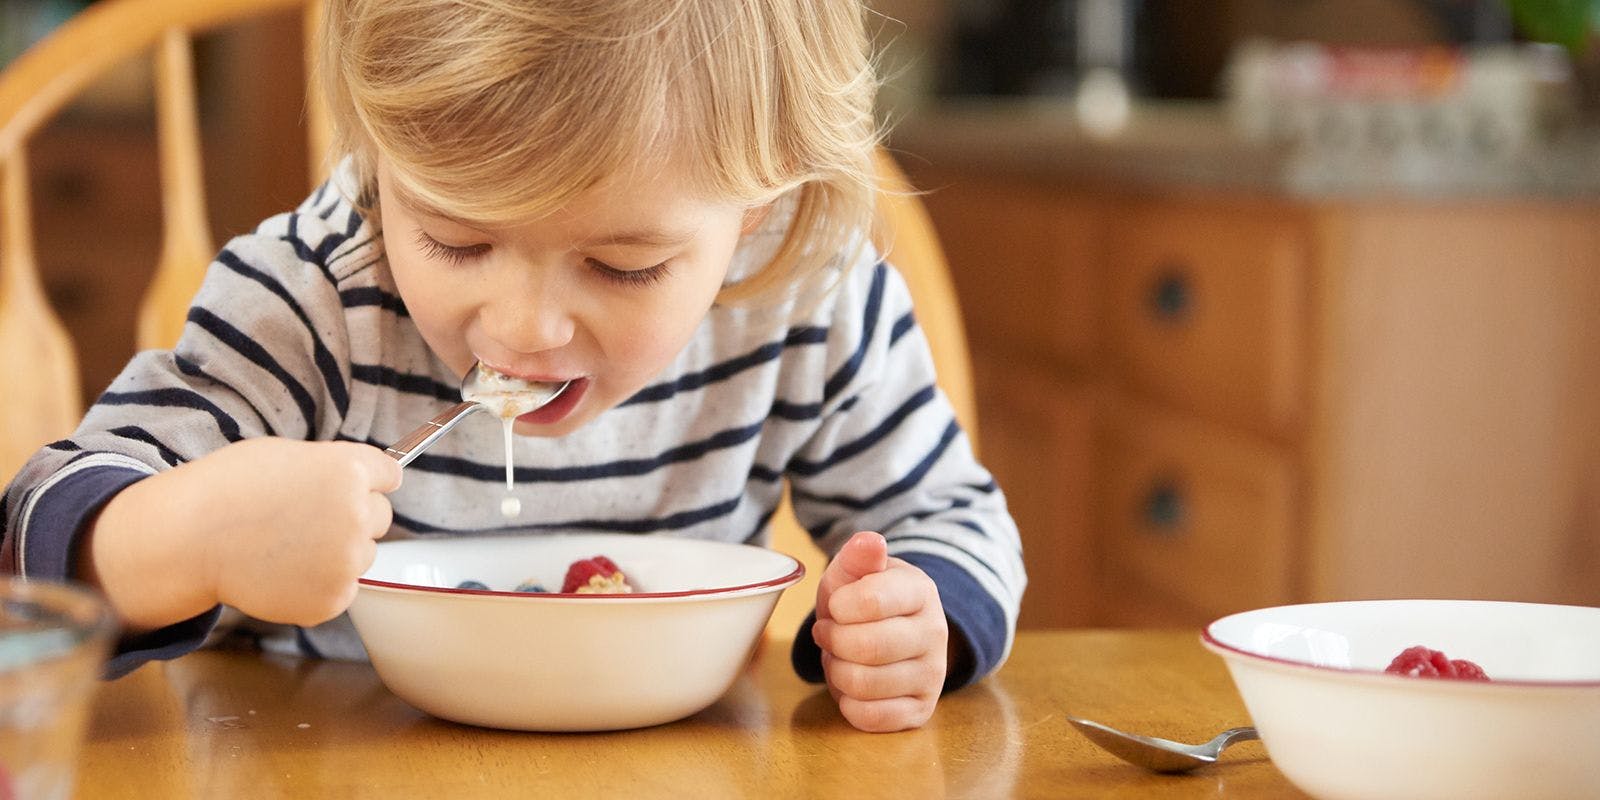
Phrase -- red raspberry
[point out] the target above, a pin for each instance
(598, 575)
(1423, 662)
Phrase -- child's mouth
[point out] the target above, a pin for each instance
(559, 408)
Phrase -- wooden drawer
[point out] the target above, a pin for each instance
(1207, 308)
(1201, 517)
(1037, 438)
(1025, 262)
(101, 174)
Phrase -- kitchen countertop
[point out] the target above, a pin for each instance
(1171, 145)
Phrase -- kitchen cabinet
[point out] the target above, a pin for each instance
(1202, 399)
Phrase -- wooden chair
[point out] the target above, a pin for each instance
(37, 355)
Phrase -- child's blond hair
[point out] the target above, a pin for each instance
(505, 110)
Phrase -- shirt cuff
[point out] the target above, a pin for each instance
(56, 526)
(971, 612)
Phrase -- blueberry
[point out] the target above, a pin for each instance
(471, 584)
(531, 588)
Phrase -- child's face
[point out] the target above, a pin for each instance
(604, 292)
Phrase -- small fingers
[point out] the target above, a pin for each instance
(865, 553)
(382, 472)
(891, 593)
(886, 716)
(380, 515)
(915, 677)
(882, 642)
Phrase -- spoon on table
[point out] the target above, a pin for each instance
(1160, 755)
(482, 389)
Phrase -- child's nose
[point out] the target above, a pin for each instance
(530, 323)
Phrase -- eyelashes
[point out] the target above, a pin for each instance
(630, 277)
(449, 253)
(458, 255)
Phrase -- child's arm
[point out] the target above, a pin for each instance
(889, 457)
(159, 482)
(275, 528)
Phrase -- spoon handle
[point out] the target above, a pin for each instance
(413, 443)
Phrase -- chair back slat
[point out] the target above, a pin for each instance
(319, 129)
(186, 246)
(38, 367)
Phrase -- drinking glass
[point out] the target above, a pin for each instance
(54, 639)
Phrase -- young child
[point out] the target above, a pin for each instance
(667, 204)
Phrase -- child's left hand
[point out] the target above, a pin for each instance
(883, 636)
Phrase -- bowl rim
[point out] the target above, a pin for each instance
(1224, 649)
(792, 577)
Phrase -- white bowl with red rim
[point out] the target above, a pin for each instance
(565, 662)
(1341, 728)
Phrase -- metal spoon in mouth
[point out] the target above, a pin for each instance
(482, 389)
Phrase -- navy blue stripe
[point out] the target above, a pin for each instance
(726, 369)
(141, 435)
(326, 363)
(677, 521)
(898, 487)
(869, 326)
(912, 537)
(176, 398)
(304, 642)
(355, 247)
(849, 450)
(64, 446)
(322, 255)
(956, 504)
(372, 296)
(765, 474)
(253, 352)
(302, 250)
(976, 617)
(905, 323)
(193, 370)
(352, 224)
(798, 412)
(408, 382)
(454, 465)
(755, 534)
(972, 526)
(316, 197)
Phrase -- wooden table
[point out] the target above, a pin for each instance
(232, 724)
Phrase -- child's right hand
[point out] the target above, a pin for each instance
(279, 529)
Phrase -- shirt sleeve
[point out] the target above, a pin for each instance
(889, 456)
(264, 353)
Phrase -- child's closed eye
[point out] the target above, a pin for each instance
(630, 277)
(454, 254)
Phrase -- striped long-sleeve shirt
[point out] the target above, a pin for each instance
(298, 331)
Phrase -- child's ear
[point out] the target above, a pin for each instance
(754, 217)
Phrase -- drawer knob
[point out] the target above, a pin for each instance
(1171, 296)
(1165, 507)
